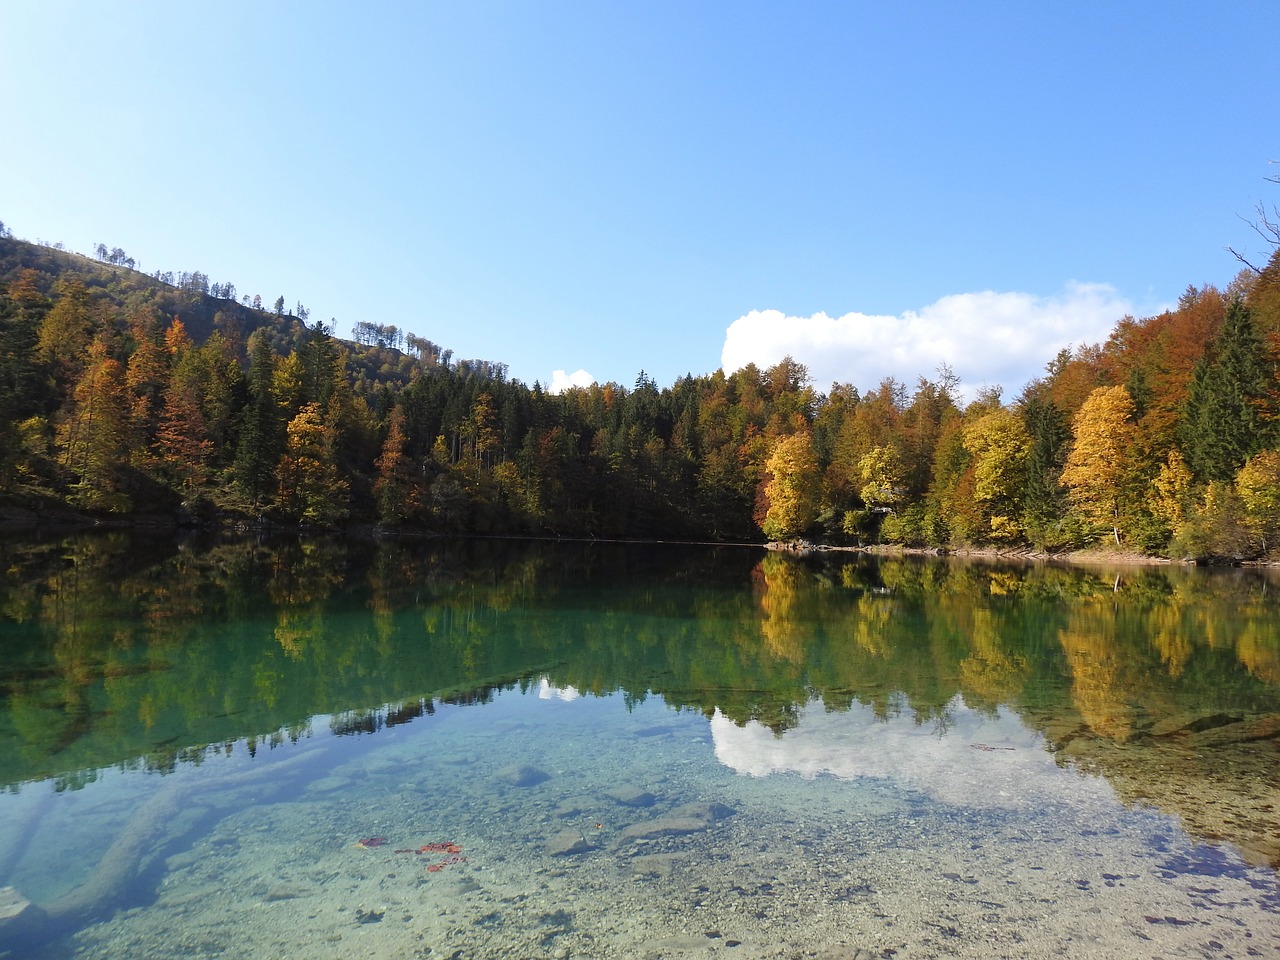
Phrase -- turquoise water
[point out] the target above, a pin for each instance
(599, 751)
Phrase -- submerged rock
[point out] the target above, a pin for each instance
(631, 796)
(330, 784)
(523, 775)
(572, 807)
(657, 864)
(567, 843)
(663, 827)
(19, 917)
(1192, 723)
(704, 811)
(1246, 731)
(284, 891)
(658, 731)
(686, 818)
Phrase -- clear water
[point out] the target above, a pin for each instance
(614, 751)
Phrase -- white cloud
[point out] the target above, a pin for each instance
(983, 761)
(561, 381)
(987, 338)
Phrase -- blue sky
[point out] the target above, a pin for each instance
(604, 187)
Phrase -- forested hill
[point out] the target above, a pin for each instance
(123, 393)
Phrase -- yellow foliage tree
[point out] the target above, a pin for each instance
(310, 489)
(1258, 484)
(1173, 491)
(288, 383)
(791, 488)
(1000, 446)
(93, 437)
(884, 477)
(1099, 463)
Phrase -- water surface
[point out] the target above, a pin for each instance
(554, 750)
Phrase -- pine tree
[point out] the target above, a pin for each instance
(397, 491)
(260, 440)
(1226, 418)
(20, 383)
(1042, 500)
(182, 444)
(93, 435)
(66, 330)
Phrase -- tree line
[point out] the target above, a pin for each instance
(119, 394)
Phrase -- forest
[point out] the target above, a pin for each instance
(163, 397)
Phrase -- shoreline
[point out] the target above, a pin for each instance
(19, 518)
(1085, 556)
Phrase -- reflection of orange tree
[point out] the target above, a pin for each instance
(992, 671)
(1188, 614)
(1098, 682)
(303, 578)
(1259, 650)
(1170, 636)
(780, 624)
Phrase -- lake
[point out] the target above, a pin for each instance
(475, 749)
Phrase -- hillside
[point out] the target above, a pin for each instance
(125, 394)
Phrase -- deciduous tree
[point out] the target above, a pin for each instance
(397, 489)
(1258, 484)
(792, 486)
(1001, 448)
(1098, 466)
(93, 435)
(310, 489)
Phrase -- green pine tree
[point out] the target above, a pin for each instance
(261, 439)
(1225, 419)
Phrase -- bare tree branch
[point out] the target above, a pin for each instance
(1267, 226)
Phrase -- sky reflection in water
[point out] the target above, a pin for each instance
(924, 711)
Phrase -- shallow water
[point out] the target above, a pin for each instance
(609, 754)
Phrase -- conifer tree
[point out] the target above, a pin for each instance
(260, 442)
(398, 494)
(182, 445)
(1042, 499)
(93, 435)
(1226, 418)
(66, 330)
(19, 383)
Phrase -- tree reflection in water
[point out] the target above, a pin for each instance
(118, 650)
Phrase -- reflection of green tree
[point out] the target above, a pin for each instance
(112, 649)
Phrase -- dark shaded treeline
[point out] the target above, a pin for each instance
(122, 393)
